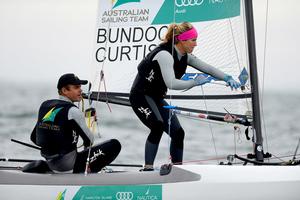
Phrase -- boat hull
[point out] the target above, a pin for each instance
(184, 182)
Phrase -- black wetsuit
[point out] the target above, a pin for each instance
(59, 125)
(161, 69)
(147, 100)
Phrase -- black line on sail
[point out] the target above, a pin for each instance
(208, 97)
(95, 95)
(124, 101)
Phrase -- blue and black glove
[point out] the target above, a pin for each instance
(231, 82)
(201, 80)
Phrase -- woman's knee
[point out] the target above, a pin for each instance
(178, 137)
(156, 132)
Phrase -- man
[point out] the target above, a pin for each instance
(58, 127)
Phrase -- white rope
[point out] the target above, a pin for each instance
(246, 49)
(170, 101)
(101, 77)
(101, 72)
(263, 80)
(210, 126)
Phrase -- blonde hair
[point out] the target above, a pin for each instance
(176, 29)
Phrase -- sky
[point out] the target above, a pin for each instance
(42, 39)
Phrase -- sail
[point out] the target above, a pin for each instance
(129, 29)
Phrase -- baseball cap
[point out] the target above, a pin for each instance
(69, 79)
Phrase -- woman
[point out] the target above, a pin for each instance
(161, 69)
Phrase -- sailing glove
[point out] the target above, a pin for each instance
(231, 82)
(201, 80)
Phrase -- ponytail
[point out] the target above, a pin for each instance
(175, 30)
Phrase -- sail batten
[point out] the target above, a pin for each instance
(184, 97)
(123, 99)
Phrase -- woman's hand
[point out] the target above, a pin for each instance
(231, 82)
(201, 80)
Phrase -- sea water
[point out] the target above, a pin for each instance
(204, 142)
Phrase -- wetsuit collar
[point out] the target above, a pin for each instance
(179, 55)
(65, 98)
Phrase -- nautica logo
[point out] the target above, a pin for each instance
(148, 190)
(185, 3)
(120, 2)
(51, 114)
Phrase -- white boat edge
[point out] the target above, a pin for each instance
(184, 182)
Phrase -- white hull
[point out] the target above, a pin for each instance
(194, 182)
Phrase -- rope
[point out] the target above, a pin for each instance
(246, 49)
(294, 157)
(263, 80)
(101, 73)
(210, 126)
(237, 57)
(102, 78)
(98, 96)
(235, 46)
(237, 137)
(170, 101)
(225, 157)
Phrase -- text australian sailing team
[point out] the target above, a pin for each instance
(60, 122)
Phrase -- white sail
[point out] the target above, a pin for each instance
(221, 43)
(127, 30)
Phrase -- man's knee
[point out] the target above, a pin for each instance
(116, 146)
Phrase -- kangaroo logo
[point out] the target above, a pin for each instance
(61, 195)
(51, 114)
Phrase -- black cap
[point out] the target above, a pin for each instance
(69, 79)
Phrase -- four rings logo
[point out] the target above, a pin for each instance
(185, 3)
(124, 196)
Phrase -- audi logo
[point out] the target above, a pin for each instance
(124, 196)
(185, 3)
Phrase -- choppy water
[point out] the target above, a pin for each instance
(19, 105)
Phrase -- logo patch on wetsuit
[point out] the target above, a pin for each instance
(51, 114)
(151, 76)
(96, 154)
(75, 137)
(146, 111)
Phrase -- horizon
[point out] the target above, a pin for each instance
(60, 40)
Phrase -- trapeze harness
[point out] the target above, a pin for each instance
(59, 125)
